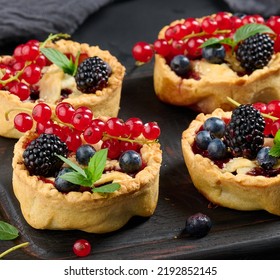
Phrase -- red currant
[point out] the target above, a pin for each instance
(162, 47)
(260, 106)
(275, 127)
(193, 47)
(42, 127)
(268, 125)
(81, 121)
(142, 52)
(64, 112)
(114, 127)
(209, 25)
(84, 110)
(92, 134)
(73, 141)
(41, 60)
(192, 25)
(31, 74)
(151, 130)
(178, 47)
(274, 23)
(21, 90)
(82, 248)
(99, 123)
(113, 146)
(134, 127)
(41, 112)
(273, 107)
(23, 122)
(179, 31)
(223, 20)
(29, 52)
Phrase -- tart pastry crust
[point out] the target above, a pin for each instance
(44, 207)
(215, 83)
(222, 187)
(105, 102)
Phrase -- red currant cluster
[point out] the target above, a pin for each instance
(186, 37)
(272, 121)
(75, 125)
(23, 70)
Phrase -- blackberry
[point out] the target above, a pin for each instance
(255, 52)
(92, 75)
(244, 133)
(40, 155)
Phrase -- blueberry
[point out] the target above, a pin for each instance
(202, 139)
(215, 126)
(130, 161)
(63, 185)
(214, 54)
(198, 225)
(180, 64)
(265, 160)
(84, 154)
(217, 149)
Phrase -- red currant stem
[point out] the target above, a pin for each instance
(13, 249)
(263, 114)
(15, 77)
(52, 37)
(139, 141)
(205, 33)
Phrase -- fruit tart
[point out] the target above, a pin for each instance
(58, 70)
(201, 61)
(92, 177)
(233, 157)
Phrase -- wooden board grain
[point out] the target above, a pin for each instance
(234, 235)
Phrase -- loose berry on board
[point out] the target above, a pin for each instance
(82, 248)
(198, 225)
(142, 52)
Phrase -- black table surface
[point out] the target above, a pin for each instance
(116, 28)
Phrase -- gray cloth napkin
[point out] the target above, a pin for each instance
(30, 19)
(265, 8)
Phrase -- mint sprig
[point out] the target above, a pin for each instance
(61, 60)
(241, 34)
(87, 176)
(7, 231)
(275, 149)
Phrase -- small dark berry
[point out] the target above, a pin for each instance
(198, 225)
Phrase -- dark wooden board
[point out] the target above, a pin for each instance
(234, 234)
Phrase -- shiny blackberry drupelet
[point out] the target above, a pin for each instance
(244, 133)
(255, 52)
(40, 155)
(92, 75)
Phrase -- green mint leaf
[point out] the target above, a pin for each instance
(90, 174)
(215, 41)
(97, 163)
(77, 179)
(73, 165)
(59, 59)
(109, 188)
(275, 151)
(277, 137)
(210, 42)
(7, 231)
(249, 30)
